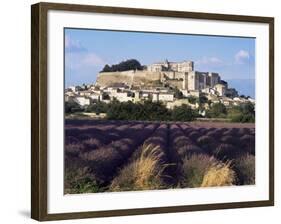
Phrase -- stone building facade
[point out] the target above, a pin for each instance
(185, 66)
(175, 74)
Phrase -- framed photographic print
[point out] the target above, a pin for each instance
(139, 111)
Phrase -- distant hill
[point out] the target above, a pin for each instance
(243, 86)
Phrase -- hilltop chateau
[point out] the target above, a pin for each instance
(161, 81)
(174, 74)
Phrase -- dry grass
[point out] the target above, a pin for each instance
(193, 169)
(73, 149)
(245, 169)
(219, 175)
(92, 143)
(144, 173)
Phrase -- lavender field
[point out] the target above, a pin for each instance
(102, 156)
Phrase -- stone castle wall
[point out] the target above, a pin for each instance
(176, 83)
(108, 78)
(128, 77)
(193, 80)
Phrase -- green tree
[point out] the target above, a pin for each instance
(106, 68)
(98, 107)
(248, 108)
(72, 107)
(131, 64)
(192, 99)
(183, 113)
(155, 110)
(203, 99)
(244, 113)
(217, 110)
(137, 111)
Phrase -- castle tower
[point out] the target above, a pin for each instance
(186, 66)
(193, 80)
(214, 79)
(185, 81)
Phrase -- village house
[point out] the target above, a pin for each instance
(95, 96)
(82, 101)
(164, 97)
(85, 93)
(178, 103)
(158, 82)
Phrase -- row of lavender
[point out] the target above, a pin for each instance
(225, 143)
(197, 150)
(112, 156)
(97, 153)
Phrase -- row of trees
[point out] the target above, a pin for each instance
(153, 111)
(131, 64)
(243, 113)
(148, 110)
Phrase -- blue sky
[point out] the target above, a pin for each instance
(87, 51)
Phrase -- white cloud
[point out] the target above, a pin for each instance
(209, 61)
(92, 59)
(72, 45)
(77, 56)
(242, 56)
(79, 60)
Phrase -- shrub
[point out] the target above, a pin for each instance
(187, 130)
(194, 168)
(210, 148)
(230, 131)
(92, 143)
(217, 110)
(84, 185)
(229, 139)
(98, 107)
(155, 140)
(123, 146)
(73, 149)
(245, 169)
(103, 162)
(219, 175)
(113, 136)
(71, 107)
(205, 140)
(203, 130)
(225, 151)
(181, 141)
(194, 135)
(189, 150)
(183, 113)
(243, 113)
(78, 177)
(215, 133)
(248, 143)
(144, 173)
(243, 131)
(71, 140)
(83, 136)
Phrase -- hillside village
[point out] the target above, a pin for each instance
(172, 83)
